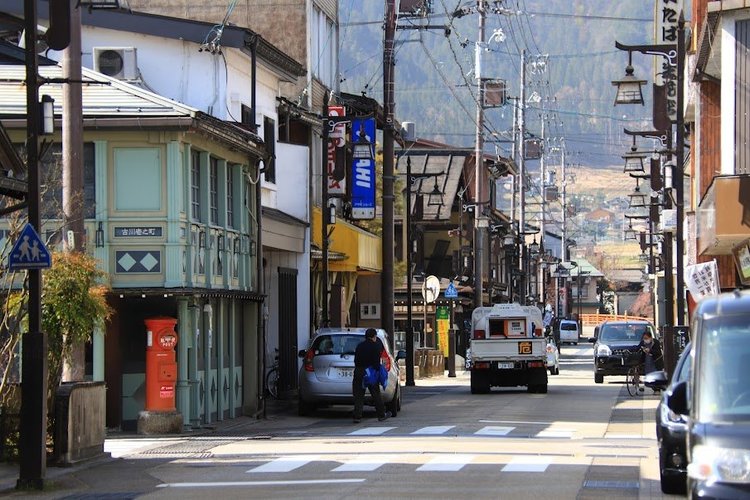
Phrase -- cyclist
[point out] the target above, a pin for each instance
(651, 357)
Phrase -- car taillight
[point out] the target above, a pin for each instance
(309, 361)
(386, 360)
(481, 365)
(536, 364)
(479, 334)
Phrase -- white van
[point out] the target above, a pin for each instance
(569, 331)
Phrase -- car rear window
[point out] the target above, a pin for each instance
(568, 326)
(336, 344)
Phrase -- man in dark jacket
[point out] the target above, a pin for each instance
(367, 355)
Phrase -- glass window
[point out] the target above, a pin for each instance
(195, 185)
(722, 393)
(269, 137)
(230, 196)
(213, 178)
(631, 332)
(323, 50)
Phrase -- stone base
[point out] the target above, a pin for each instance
(159, 422)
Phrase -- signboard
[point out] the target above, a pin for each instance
(140, 231)
(666, 16)
(443, 321)
(336, 159)
(29, 251)
(451, 292)
(363, 172)
(702, 279)
(742, 261)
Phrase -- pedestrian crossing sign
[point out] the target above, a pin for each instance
(29, 251)
(451, 292)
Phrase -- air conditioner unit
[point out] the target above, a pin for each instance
(117, 62)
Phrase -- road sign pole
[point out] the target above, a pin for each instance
(451, 345)
(33, 429)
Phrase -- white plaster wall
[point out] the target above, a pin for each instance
(293, 180)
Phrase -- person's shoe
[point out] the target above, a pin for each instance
(385, 417)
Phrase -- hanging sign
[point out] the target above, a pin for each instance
(666, 17)
(336, 156)
(362, 177)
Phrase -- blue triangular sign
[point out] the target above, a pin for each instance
(451, 292)
(29, 251)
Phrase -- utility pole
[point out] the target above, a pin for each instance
(542, 184)
(564, 240)
(72, 155)
(386, 290)
(679, 172)
(479, 160)
(324, 213)
(523, 286)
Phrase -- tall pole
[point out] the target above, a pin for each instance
(523, 277)
(479, 161)
(564, 241)
(410, 301)
(543, 180)
(72, 154)
(33, 428)
(386, 290)
(679, 172)
(324, 214)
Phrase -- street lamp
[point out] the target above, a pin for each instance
(675, 56)
(638, 199)
(629, 87)
(634, 160)
(411, 181)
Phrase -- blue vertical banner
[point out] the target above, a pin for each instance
(363, 172)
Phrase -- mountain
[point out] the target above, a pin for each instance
(571, 61)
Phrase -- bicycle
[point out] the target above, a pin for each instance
(272, 377)
(633, 377)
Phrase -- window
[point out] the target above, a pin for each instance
(323, 48)
(195, 185)
(269, 137)
(213, 190)
(230, 196)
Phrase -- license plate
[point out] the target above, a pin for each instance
(505, 366)
(346, 372)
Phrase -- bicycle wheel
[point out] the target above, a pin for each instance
(272, 383)
(631, 380)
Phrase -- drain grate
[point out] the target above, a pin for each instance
(184, 448)
(612, 485)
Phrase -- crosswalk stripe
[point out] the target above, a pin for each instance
(370, 431)
(285, 464)
(555, 433)
(365, 463)
(493, 430)
(446, 463)
(528, 464)
(433, 430)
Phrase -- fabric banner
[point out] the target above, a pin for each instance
(443, 320)
(702, 279)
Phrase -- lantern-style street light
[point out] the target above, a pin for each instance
(629, 87)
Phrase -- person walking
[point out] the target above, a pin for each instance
(367, 355)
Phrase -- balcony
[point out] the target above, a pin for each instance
(724, 215)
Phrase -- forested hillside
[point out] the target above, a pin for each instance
(571, 61)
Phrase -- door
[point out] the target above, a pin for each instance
(287, 322)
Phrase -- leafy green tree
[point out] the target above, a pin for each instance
(73, 304)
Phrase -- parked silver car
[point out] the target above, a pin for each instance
(326, 374)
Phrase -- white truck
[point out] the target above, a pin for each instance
(508, 348)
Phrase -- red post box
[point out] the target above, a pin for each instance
(161, 364)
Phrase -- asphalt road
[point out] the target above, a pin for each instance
(578, 441)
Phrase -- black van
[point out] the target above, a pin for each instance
(716, 398)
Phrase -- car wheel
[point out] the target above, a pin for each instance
(598, 378)
(395, 404)
(304, 408)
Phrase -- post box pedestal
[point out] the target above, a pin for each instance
(159, 422)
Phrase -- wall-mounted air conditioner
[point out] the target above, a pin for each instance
(117, 62)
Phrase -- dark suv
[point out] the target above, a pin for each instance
(614, 342)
